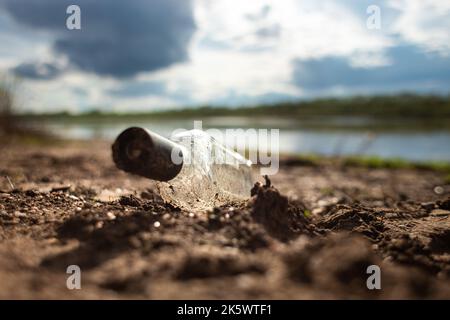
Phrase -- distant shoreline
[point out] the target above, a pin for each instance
(405, 112)
(403, 106)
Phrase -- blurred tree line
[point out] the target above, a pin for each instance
(404, 105)
(6, 110)
(10, 121)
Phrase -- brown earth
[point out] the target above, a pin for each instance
(311, 234)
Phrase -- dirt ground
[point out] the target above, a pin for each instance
(311, 234)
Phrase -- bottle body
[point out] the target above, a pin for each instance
(211, 174)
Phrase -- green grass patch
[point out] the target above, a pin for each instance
(307, 213)
(377, 162)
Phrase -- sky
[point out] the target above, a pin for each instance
(143, 55)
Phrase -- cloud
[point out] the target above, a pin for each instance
(231, 58)
(118, 38)
(425, 23)
(272, 31)
(40, 71)
(410, 69)
(142, 54)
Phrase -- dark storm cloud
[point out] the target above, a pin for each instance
(410, 69)
(117, 38)
(41, 71)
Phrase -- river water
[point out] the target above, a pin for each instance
(342, 136)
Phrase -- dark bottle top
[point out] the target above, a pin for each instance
(145, 153)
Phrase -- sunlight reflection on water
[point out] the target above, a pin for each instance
(411, 145)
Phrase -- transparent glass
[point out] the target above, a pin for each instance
(211, 174)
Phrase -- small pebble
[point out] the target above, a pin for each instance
(317, 211)
(212, 216)
(438, 190)
(156, 224)
(110, 215)
(427, 205)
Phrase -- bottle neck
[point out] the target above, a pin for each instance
(145, 153)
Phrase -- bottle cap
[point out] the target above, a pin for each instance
(145, 153)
